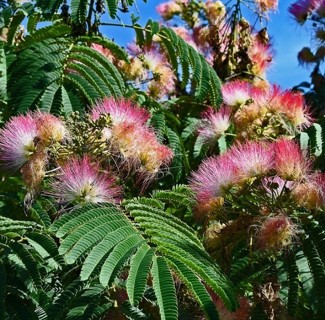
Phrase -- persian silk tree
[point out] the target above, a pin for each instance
(164, 180)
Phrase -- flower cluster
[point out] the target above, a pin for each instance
(277, 175)
(24, 142)
(84, 153)
(256, 113)
(229, 48)
(131, 138)
(149, 69)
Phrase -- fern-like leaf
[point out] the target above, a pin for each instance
(195, 69)
(51, 71)
(318, 271)
(137, 279)
(196, 287)
(61, 304)
(29, 263)
(164, 289)
(119, 255)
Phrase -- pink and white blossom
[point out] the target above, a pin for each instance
(121, 110)
(276, 232)
(236, 93)
(252, 159)
(17, 141)
(290, 162)
(214, 123)
(82, 182)
(214, 177)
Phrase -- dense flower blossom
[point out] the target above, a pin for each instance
(276, 232)
(260, 55)
(104, 51)
(214, 123)
(120, 111)
(163, 75)
(214, 176)
(252, 159)
(310, 192)
(82, 182)
(140, 149)
(151, 153)
(291, 104)
(17, 141)
(129, 137)
(236, 93)
(133, 70)
(49, 128)
(150, 64)
(265, 113)
(290, 163)
(33, 172)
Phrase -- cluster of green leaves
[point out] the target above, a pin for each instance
(96, 245)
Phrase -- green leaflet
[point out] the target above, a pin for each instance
(104, 240)
(317, 269)
(79, 10)
(163, 285)
(28, 261)
(116, 259)
(137, 278)
(59, 307)
(196, 287)
(102, 250)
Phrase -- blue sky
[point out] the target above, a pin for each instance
(287, 38)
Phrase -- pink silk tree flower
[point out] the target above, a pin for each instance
(214, 123)
(236, 93)
(17, 141)
(276, 232)
(260, 55)
(291, 104)
(120, 111)
(290, 163)
(50, 128)
(252, 159)
(82, 182)
(310, 192)
(214, 177)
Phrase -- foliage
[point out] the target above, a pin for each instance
(164, 180)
